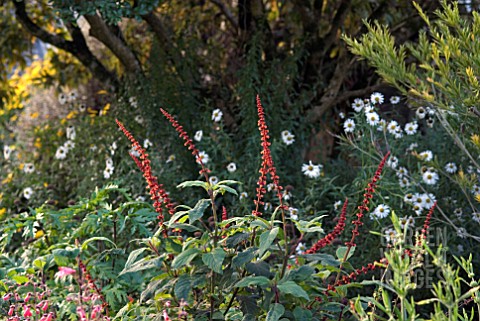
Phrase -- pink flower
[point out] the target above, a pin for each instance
(165, 316)
(7, 296)
(28, 296)
(27, 312)
(11, 310)
(43, 305)
(96, 309)
(81, 313)
(64, 271)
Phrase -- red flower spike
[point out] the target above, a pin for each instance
(267, 163)
(426, 224)
(367, 196)
(328, 239)
(156, 190)
(188, 142)
(91, 283)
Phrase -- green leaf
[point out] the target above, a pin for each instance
(342, 250)
(96, 238)
(186, 227)
(214, 259)
(132, 257)
(144, 264)
(325, 259)
(243, 257)
(20, 279)
(228, 181)
(193, 183)
(252, 280)
(266, 239)
(302, 273)
(293, 288)
(226, 188)
(197, 212)
(233, 240)
(260, 268)
(183, 287)
(39, 263)
(184, 258)
(275, 313)
(301, 314)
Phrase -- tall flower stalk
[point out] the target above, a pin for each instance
(156, 190)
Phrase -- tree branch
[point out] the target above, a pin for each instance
(226, 11)
(100, 31)
(77, 47)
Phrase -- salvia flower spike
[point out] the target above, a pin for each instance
(267, 163)
(328, 239)
(156, 190)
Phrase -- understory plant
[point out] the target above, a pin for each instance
(242, 266)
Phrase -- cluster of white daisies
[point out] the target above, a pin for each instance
(63, 150)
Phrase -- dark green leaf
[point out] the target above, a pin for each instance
(302, 273)
(226, 188)
(197, 212)
(259, 268)
(143, 264)
(183, 287)
(243, 257)
(302, 314)
(252, 280)
(290, 287)
(266, 239)
(184, 258)
(186, 227)
(233, 240)
(275, 313)
(214, 259)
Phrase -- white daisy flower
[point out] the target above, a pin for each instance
(369, 109)
(270, 187)
(411, 128)
(82, 108)
(69, 145)
(392, 162)
(426, 156)
(217, 115)
(337, 205)
(417, 209)
(108, 162)
(300, 249)
(202, 158)
(390, 234)
(287, 137)
(462, 232)
(376, 98)
(170, 158)
(232, 167)
(476, 216)
(93, 148)
(394, 100)
(358, 104)
(458, 212)
(408, 198)
(392, 127)
(341, 115)
(28, 168)
(27, 192)
(381, 211)
(311, 170)
(62, 99)
(475, 189)
(139, 119)
(349, 125)
(61, 152)
(107, 172)
(418, 199)
(198, 135)
(430, 177)
(267, 206)
(403, 182)
(133, 102)
(406, 221)
(382, 124)
(293, 213)
(134, 152)
(243, 195)
(7, 151)
(213, 180)
(286, 195)
(147, 143)
(430, 121)
(398, 133)
(451, 168)
(71, 134)
(421, 112)
(372, 118)
(428, 200)
(72, 96)
(140, 198)
(402, 172)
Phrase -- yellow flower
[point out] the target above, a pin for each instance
(38, 143)
(39, 234)
(477, 197)
(21, 166)
(8, 179)
(475, 139)
(72, 114)
(59, 133)
(63, 121)
(3, 211)
(34, 115)
(45, 184)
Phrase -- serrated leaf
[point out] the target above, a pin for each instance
(197, 212)
(275, 313)
(243, 258)
(193, 183)
(252, 280)
(184, 258)
(214, 259)
(183, 287)
(290, 287)
(266, 239)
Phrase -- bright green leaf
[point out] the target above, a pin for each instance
(290, 287)
(214, 259)
(184, 258)
(266, 239)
